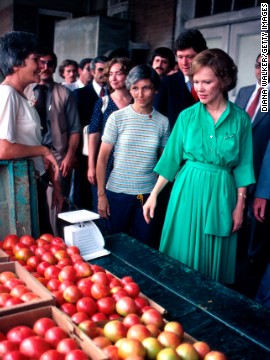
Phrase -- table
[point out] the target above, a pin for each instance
(226, 320)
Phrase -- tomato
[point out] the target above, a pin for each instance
(89, 327)
(64, 285)
(115, 330)
(15, 355)
(13, 301)
(86, 305)
(152, 347)
(97, 268)
(53, 284)
(18, 333)
(167, 354)
(49, 257)
(99, 317)
(152, 316)
(175, 327)
(48, 237)
(106, 305)
(52, 355)
(9, 241)
(79, 317)
(126, 305)
(68, 308)
(100, 277)
(131, 319)
(3, 298)
(51, 272)
(132, 289)
(101, 341)
(139, 332)
(54, 334)
(18, 247)
(83, 269)
(67, 274)
(111, 352)
(27, 240)
(6, 275)
(73, 250)
(215, 355)
(42, 325)
(64, 346)
(126, 279)
(130, 347)
(34, 347)
(202, 348)
(99, 290)
(30, 296)
(12, 282)
(58, 297)
(7, 346)
(76, 354)
(42, 266)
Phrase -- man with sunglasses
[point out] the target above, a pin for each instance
(249, 98)
(60, 125)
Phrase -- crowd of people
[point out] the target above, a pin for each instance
(170, 159)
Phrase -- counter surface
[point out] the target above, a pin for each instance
(209, 311)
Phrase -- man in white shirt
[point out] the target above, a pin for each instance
(85, 75)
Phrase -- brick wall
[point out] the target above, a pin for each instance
(152, 22)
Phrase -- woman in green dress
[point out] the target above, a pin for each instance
(209, 155)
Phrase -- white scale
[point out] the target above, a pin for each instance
(84, 233)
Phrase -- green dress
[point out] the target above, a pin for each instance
(208, 162)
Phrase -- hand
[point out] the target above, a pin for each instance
(149, 208)
(66, 165)
(103, 206)
(57, 200)
(91, 175)
(259, 206)
(50, 159)
(237, 216)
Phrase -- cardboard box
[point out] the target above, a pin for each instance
(3, 256)
(46, 297)
(28, 318)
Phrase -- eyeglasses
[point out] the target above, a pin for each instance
(49, 63)
(145, 89)
(258, 65)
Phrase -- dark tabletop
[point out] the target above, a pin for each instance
(226, 320)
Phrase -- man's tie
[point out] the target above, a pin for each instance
(253, 106)
(102, 92)
(41, 107)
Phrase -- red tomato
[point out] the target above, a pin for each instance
(89, 327)
(30, 296)
(51, 272)
(79, 317)
(13, 301)
(86, 305)
(15, 355)
(3, 298)
(34, 347)
(68, 308)
(67, 274)
(106, 305)
(33, 261)
(9, 241)
(132, 289)
(53, 284)
(66, 345)
(6, 275)
(126, 305)
(18, 333)
(49, 257)
(73, 250)
(42, 325)
(83, 269)
(7, 346)
(27, 240)
(76, 354)
(47, 237)
(99, 291)
(64, 285)
(97, 268)
(52, 355)
(99, 317)
(100, 277)
(72, 294)
(54, 334)
(58, 297)
(126, 279)
(12, 282)
(215, 355)
(18, 247)
(42, 266)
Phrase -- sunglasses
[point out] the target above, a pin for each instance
(49, 63)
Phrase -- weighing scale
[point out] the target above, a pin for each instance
(84, 233)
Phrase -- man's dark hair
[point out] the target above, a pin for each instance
(166, 53)
(15, 47)
(66, 63)
(83, 62)
(190, 39)
(49, 52)
(98, 59)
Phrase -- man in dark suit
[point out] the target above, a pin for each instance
(86, 99)
(262, 214)
(245, 99)
(175, 93)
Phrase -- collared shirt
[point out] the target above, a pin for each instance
(252, 98)
(75, 85)
(188, 83)
(97, 87)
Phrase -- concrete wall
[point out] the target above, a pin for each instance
(89, 37)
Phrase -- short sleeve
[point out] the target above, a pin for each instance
(171, 158)
(110, 131)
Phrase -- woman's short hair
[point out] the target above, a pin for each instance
(222, 65)
(15, 47)
(143, 72)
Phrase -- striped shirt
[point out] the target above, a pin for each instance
(137, 139)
